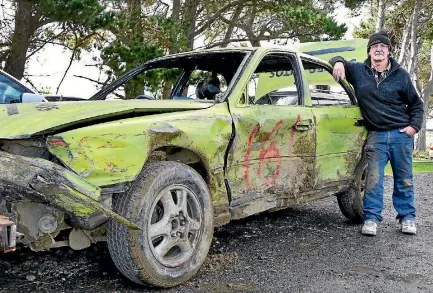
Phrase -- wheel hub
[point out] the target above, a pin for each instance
(179, 226)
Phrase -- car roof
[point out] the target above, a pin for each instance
(240, 49)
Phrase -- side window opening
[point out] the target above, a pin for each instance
(274, 82)
(324, 91)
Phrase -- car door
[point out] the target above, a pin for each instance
(271, 160)
(339, 128)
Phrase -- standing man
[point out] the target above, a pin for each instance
(393, 114)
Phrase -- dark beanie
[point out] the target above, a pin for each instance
(380, 37)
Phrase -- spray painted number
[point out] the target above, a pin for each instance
(269, 153)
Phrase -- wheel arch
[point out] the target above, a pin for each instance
(214, 177)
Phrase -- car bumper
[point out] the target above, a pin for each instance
(39, 180)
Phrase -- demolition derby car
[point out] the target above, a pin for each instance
(221, 135)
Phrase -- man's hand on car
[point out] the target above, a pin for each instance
(339, 72)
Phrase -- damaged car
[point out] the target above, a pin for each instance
(205, 137)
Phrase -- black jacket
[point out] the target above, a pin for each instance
(393, 103)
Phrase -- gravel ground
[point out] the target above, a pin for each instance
(308, 248)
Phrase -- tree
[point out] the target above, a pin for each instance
(143, 30)
(256, 21)
(37, 23)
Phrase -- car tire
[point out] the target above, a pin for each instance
(172, 204)
(351, 201)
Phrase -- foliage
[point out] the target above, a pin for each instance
(38, 23)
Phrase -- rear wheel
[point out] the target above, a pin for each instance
(351, 202)
(172, 205)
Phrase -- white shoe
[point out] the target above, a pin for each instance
(408, 227)
(369, 228)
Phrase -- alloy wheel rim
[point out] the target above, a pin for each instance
(174, 225)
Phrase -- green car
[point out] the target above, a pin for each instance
(221, 135)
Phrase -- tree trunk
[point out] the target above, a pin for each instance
(191, 22)
(381, 15)
(405, 40)
(254, 40)
(166, 90)
(25, 27)
(173, 47)
(413, 39)
(426, 94)
(230, 29)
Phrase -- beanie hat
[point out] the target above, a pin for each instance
(380, 37)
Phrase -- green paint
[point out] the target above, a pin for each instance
(418, 167)
(339, 142)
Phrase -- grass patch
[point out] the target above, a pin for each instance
(418, 167)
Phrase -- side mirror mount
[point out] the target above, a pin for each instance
(32, 98)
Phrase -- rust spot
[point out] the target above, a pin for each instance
(83, 140)
(57, 142)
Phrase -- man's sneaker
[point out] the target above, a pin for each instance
(369, 228)
(408, 227)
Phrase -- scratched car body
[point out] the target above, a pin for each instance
(154, 176)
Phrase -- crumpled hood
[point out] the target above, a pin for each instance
(19, 121)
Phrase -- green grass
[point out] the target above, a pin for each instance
(418, 167)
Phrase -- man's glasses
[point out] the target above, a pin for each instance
(379, 46)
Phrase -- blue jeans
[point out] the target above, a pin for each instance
(395, 147)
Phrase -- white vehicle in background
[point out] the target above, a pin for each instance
(13, 91)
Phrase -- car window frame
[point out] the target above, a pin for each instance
(297, 73)
(343, 83)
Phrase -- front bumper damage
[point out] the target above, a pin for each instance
(41, 181)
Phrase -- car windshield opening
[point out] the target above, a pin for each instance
(197, 76)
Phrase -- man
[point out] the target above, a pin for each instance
(393, 114)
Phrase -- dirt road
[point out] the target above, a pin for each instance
(309, 248)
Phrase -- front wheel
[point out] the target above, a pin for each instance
(172, 205)
(351, 201)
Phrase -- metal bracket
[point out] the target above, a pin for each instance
(8, 235)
